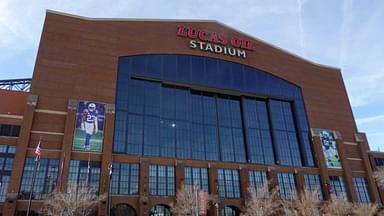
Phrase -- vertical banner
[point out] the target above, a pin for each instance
(89, 128)
(328, 142)
(203, 202)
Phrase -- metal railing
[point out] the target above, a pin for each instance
(16, 84)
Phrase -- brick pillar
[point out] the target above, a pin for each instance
(68, 139)
(244, 183)
(21, 153)
(346, 169)
(213, 179)
(179, 169)
(272, 175)
(144, 202)
(214, 186)
(364, 148)
(299, 178)
(106, 158)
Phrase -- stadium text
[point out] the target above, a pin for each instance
(215, 42)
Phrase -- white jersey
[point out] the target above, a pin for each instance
(90, 121)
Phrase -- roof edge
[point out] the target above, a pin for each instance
(127, 19)
(196, 20)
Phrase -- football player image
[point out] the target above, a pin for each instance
(89, 124)
(330, 150)
(89, 127)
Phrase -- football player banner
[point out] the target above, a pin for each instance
(328, 142)
(89, 128)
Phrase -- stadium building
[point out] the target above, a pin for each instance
(172, 102)
(377, 160)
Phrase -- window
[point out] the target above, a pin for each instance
(125, 178)
(85, 174)
(134, 133)
(162, 180)
(122, 209)
(162, 210)
(167, 121)
(229, 211)
(7, 155)
(229, 183)
(230, 129)
(258, 179)
(204, 132)
(287, 185)
(303, 133)
(379, 161)
(9, 130)
(260, 148)
(361, 189)
(156, 118)
(312, 183)
(45, 179)
(120, 137)
(195, 176)
(338, 186)
(284, 132)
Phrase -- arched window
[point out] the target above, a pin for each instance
(160, 210)
(229, 211)
(123, 210)
(180, 114)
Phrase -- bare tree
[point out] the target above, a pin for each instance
(262, 202)
(78, 200)
(307, 204)
(337, 206)
(187, 202)
(379, 176)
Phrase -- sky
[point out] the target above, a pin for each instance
(345, 34)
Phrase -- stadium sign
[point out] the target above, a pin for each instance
(215, 42)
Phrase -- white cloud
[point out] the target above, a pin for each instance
(301, 28)
(345, 31)
(365, 87)
(371, 119)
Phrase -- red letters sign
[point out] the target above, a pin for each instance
(215, 42)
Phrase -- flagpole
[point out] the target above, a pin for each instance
(37, 161)
(109, 190)
(89, 169)
(61, 173)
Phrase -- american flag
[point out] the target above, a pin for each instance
(110, 170)
(38, 151)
